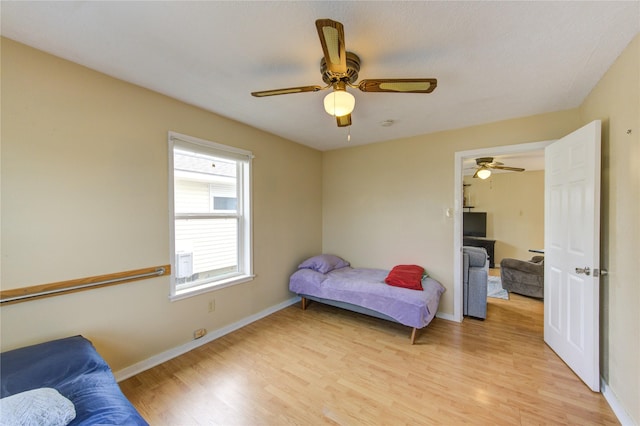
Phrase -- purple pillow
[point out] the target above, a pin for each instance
(323, 263)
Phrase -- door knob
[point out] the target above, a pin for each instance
(584, 270)
(600, 272)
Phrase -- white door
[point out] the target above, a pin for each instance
(572, 251)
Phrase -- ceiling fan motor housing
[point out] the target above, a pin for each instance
(484, 160)
(351, 76)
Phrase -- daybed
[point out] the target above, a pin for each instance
(409, 300)
(62, 382)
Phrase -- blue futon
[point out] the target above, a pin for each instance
(77, 372)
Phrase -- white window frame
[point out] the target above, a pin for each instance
(244, 243)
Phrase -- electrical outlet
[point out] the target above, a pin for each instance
(199, 333)
(212, 305)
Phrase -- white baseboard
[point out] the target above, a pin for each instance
(616, 407)
(148, 363)
(444, 316)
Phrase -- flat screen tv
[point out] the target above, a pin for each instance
(474, 224)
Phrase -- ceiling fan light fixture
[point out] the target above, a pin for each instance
(339, 103)
(484, 173)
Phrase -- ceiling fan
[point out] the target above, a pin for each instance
(339, 70)
(485, 164)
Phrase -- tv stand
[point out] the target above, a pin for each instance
(482, 242)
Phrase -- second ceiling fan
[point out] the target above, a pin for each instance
(340, 69)
(486, 164)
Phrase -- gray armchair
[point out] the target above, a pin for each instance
(475, 275)
(524, 277)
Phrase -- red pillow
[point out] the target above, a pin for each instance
(406, 276)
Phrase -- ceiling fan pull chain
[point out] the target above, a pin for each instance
(349, 134)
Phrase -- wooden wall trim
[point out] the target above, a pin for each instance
(64, 287)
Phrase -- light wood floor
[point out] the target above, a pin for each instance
(329, 366)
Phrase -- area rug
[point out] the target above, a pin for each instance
(495, 290)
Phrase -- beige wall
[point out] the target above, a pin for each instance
(84, 192)
(514, 203)
(385, 203)
(616, 101)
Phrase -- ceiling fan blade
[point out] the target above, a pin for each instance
(287, 91)
(344, 121)
(399, 85)
(475, 175)
(331, 35)
(513, 169)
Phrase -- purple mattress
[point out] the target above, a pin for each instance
(366, 288)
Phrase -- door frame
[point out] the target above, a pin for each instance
(460, 156)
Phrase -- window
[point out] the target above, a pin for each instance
(209, 201)
(225, 203)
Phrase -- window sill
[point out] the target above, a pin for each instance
(208, 287)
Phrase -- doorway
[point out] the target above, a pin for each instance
(460, 157)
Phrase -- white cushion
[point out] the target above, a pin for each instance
(44, 406)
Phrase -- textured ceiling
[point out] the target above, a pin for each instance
(493, 60)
